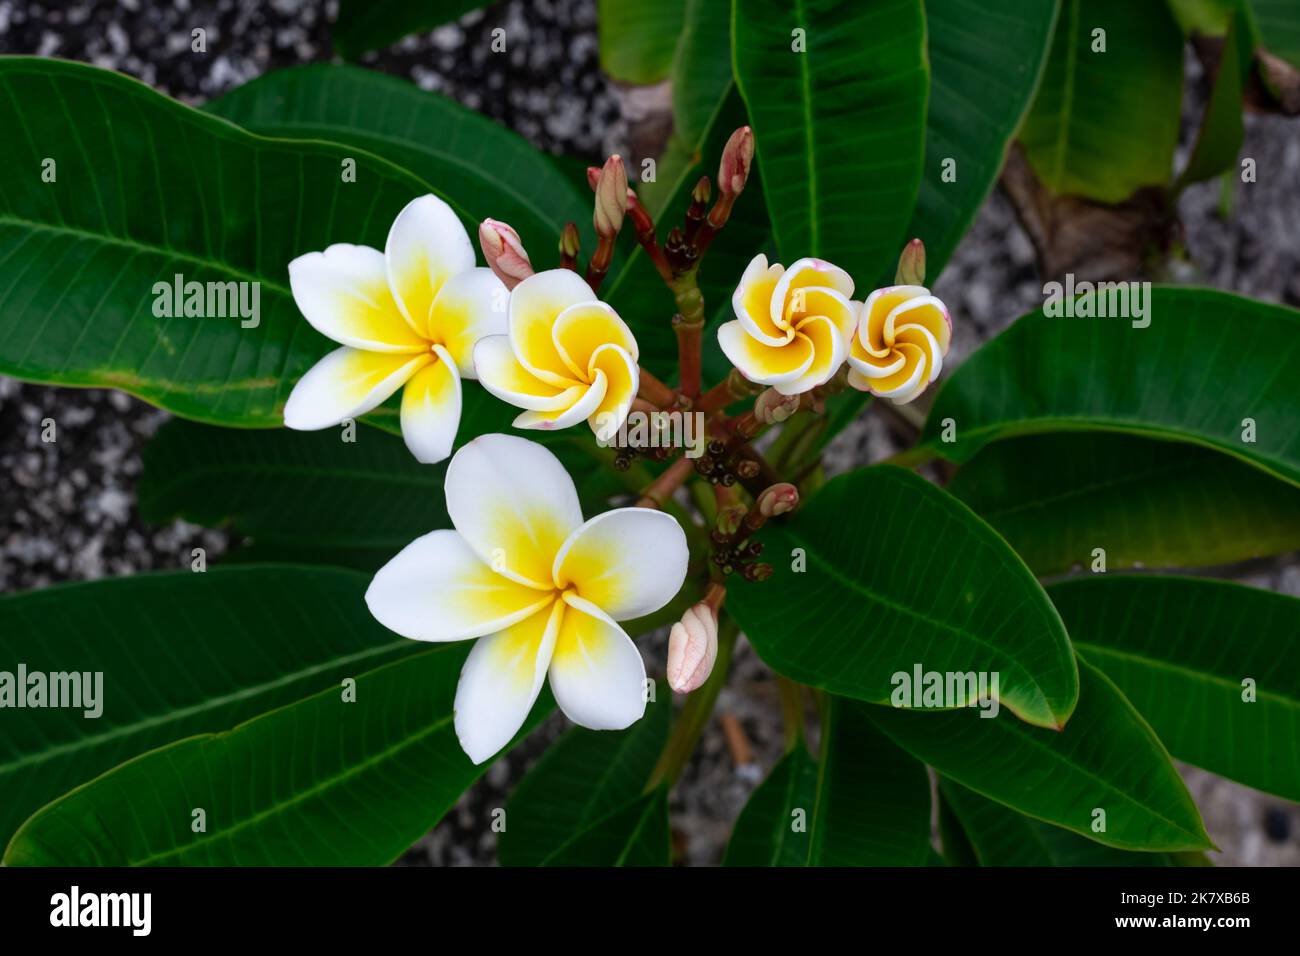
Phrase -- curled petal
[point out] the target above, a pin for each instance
(629, 562)
(925, 311)
(470, 306)
(431, 409)
(873, 366)
(908, 382)
(877, 308)
(585, 406)
(829, 349)
(343, 293)
(535, 304)
(501, 374)
(920, 336)
(346, 383)
(622, 377)
(437, 589)
(596, 674)
(426, 246)
(804, 275)
(752, 302)
(583, 328)
(765, 364)
(514, 504)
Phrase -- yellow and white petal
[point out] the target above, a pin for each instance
(843, 312)
(752, 302)
(803, 275)
(764, 364)
(431, 409)
(622, 378)
(343, 293)
(346, 383)
(920, 336)
(905, 384)
(501, 680)
(535, 304)
(471, 306)
(871, 324)
(514, 504)
(437, 589)
(628, 562)
(501, 374)
(925, 311)
(873, 366)
(584, 407)
(829, 350)
(596, 674)
(426, 246)
(583, 328)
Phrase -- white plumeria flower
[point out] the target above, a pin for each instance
(792, 326)
(567, 356)
(540, 587)
(408, 316)
(903, 334)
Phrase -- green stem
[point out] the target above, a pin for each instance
(791, 711)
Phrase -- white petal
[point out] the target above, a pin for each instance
(514, 504)
(501, 374)
(597, 674)
(829, 349)
(762, 363)
(431, 409)
(343, 292)
(535, 304)
(582, 329)
(628, 562)
(809, 274)
(500, 682)
(471, 306)
(588, 401)
(437, 589)
(346, 383)
(426, 246)
(752, 302)
(622, 379)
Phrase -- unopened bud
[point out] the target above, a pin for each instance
(593, 177)
(700, 194)
(692, 648)
(911, 264)
(569, 241)
(737, 155)
(504, 253)
(611, 198)
(730, 517)
(777, 500)
(772, 407)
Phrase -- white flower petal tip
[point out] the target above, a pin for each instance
(692, 649)
(902, 337)
(792, 326)
(540, 586)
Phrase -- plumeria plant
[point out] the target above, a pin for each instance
(509, 444)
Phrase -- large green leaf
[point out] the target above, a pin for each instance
(365, 25)
(864, 803)
(491, 172)
(1222, 129)
(1207, 362)
(578, 781)
(146, 189)
(1107, 758)
(323, 782)
(1055, 498)
(701, 72)
(985, 60)
(839, 128)
(898, 575)
(1105, 124)
(636, 834)
(180, 653)
(1181, 649)
(638, 40)
(999, 836)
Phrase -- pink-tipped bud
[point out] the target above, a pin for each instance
(771, 407)
(611, 198)
(777, 500)
(737, 155)
(692, 648)
(504, 253)
(911, 264)
(593, 177)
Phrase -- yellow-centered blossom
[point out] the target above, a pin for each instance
(903, 334)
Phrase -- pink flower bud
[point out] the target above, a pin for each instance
(692, 648)
(772, 407)
(504, 252)
(611, 198)
(777, 500)
(911, 264)
(593, 177)
(733, 171)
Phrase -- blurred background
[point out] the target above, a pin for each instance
(68, 512)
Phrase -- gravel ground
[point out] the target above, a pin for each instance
(67, 510)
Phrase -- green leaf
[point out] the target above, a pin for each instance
(147, 189)
(1105, 124)
(180, 653)
(701, 71)
(1219, 138)
(578, 781)
(1208, 361)
(638, 40)
(1107, 758)
(1181, 650)
(322, 782)
(839, 129)
(772, 829)
(365, 25)
(489, 170)
(1057, 497)
(999, 836)
(985, 60)
(900, 574)
(634, 835)
(1277, 24)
